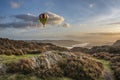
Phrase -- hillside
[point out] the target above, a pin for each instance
(16, 47)
(45, 61)
(56, 42)
(20, 60)
(110, 53)
(117, 43)
(114, 48)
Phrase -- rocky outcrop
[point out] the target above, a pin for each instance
(47, 59)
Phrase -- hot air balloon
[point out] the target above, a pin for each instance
(43, 18)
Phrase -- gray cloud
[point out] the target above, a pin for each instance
(27, 17)
(2, 17)
(29, 20)
(114, 23)
(54, 19)
(17, 25)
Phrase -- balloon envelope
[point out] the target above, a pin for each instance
(43, 18)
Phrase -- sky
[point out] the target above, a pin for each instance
(82, 20)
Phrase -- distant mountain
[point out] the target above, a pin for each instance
(57, 42)
(117, 43)
(115, 48)
(79, 49)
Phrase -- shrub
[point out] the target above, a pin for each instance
(55, 71)
(23, 66)
(81, 69)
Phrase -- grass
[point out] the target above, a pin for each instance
(28, 77)
(107, 67)
(18, 77)
(8, 59)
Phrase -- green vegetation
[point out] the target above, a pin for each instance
(53, 65)
(28, 77)
(8, 59)
(106, 64)
(107, 69)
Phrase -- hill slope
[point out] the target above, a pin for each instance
(56, 42)
(115, 48)
(117, 43)
(15, 47)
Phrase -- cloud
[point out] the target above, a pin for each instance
(111, 16)
(18, 25)
(66, 25)
(91, 5)
(103, 33)
(54, 19)
(114, 23)
(2, 17)
(27, 21)
(30, 20)
(14, 5)
(26, 17)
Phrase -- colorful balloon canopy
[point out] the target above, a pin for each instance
(43, 18)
